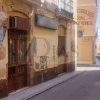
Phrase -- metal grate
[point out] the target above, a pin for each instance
(66, 5)
(16, 45)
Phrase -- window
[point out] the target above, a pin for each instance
(66, 5)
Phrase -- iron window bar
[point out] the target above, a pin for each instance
(67, 6)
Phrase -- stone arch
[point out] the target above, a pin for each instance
(61, 30)
(18, 13)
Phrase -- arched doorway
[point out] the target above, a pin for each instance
(61, 49)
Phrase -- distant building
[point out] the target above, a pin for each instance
(98, 47)
(87, 14)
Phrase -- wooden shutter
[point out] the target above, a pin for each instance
(19, 23)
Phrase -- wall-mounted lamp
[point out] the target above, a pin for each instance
(79, 34)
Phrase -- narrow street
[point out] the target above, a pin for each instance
(83, 87)
(49, 49)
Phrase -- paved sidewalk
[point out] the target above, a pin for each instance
(83, 87)
(88, 68)
(32, 91)
(88, 65)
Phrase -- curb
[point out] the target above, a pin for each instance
(38, 89)
(33, 95)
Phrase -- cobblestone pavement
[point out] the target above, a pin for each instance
(83, 87)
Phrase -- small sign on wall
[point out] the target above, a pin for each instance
(86, 39)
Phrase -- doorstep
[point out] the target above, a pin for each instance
(35, 90)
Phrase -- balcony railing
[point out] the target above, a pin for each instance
(65, 6)
(37, 0)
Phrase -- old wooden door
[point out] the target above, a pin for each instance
(17, 62)
(61, 55)
(61, 49)
(17, 45)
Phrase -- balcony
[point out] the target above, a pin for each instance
(34, 2)
(65, 9)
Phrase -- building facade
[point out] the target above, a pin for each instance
(37, 41)
(98, 52)
(87, 14)
(98, 47)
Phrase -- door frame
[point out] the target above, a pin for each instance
(16, 70)
(62, 67)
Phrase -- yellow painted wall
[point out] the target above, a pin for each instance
(87, 24)
(86, 1)
(4, 61)
(47, 39)
(87, 19)
(16, 10)
(61, 31)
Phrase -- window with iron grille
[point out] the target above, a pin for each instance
(66, 5)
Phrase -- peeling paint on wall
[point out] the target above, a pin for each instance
(2, 18)
(54, 48)
(43, 62)
(36, 65)
(2, 24)
(32, 48)
(2, 53)
(2, 33)
(73, 49)
(46, 45)
(30, 71)
(2, 72)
